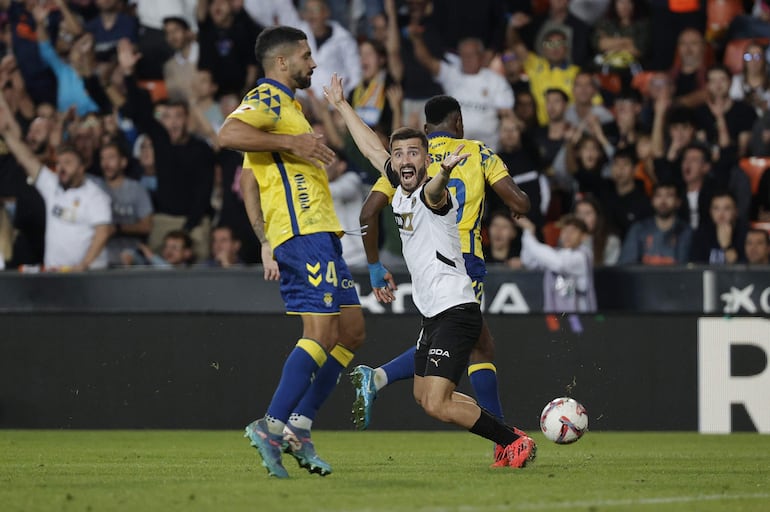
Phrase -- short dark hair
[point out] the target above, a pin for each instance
(69, 148)
(571, 219)
(179, 234)
(274, 37)
(556, 90)
(668, 184)
(438, 108)
(765, 234)
(628, 152)
(680, 115)
(119, 146)
(702, 149)
(178, 20)
(406, 133)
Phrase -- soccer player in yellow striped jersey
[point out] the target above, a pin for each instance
(287, 197)
(444, 128)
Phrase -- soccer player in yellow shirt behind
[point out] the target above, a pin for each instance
(287, 197)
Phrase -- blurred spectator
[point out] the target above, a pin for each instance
(333, 48)
(226, 37)
(664, 238)
(689, 69)
(605, 244)
(184, 164)
(757, 247)
(568, 282)
(699, 184)
(669, 20)
(233, 213)
(268, 13)
(587, 159)
(551, 137)
(348, 196)
(175, 252)
(70, 85)
(224, 248)
(754, 23)
(416, 81)
(15, 91)
(206, 116)
(623, 195)
(504, 245)
(721, 238)
(576, 31)
(368, 97)
(521, 157)
(6, 235)
(110, 26)
(621, 38)
(723, 120)
(525, 109)
(152, 41)
(144, 153)
(552, 70)
(628, 107)
(39, 79)
(672, 130)
(179, 70)
(752, 84)
(513, 71)
(78, 216)
(131, 205)
(582, 108)
(485, 96)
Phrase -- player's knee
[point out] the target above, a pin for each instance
(436, 407)
(484, 350)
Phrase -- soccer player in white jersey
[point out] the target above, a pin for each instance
(426, 213)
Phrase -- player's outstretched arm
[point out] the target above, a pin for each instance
(366, 140)
(435, 189)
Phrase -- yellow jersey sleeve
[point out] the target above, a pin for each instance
(383, 185)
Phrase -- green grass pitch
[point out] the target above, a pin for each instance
(380, 471)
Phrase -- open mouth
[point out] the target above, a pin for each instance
(408, 172)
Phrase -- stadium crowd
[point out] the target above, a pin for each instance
(649, 120)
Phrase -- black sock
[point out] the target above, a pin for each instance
(491, 428)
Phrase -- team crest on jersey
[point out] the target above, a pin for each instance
(328, 300)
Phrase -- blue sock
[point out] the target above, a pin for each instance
(296, 376)
(402, 367)
(324, 383)
(483, 377)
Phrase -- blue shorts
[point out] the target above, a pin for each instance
(477, 270)
(314, 277)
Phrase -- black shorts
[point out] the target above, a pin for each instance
(446, 341)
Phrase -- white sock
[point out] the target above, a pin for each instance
(299, 421)
(274, 425)
(380, 379)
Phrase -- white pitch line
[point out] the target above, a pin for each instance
(642, 501)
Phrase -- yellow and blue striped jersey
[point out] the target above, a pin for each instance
(294, 192)
(467, 183)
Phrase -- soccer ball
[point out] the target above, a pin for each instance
(564, 420)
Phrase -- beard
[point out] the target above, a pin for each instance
(302, 81)
(413, 182)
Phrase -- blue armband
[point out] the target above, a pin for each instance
(377, 275)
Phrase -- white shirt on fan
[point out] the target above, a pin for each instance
(431, 247)
(71, 219)
(480, 97)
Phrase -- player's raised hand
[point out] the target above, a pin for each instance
(269, 265)
(310, 147)
(334, 93)
(454, 158)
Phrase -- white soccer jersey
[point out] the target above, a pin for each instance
(71, 218)
(431, 246)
